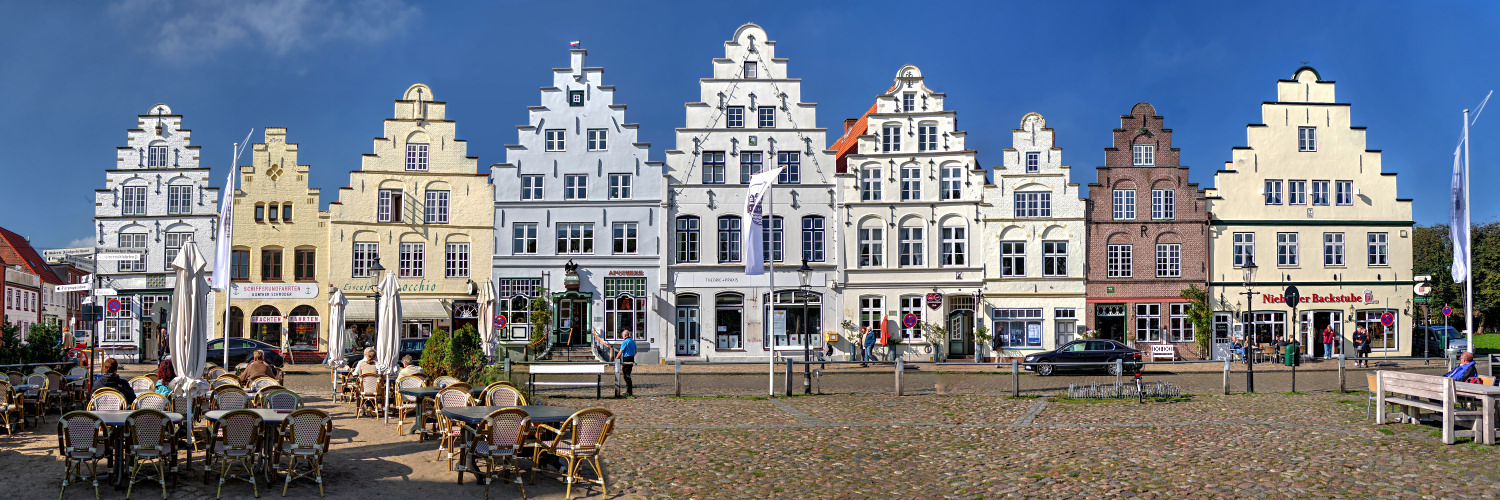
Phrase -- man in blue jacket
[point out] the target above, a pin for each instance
(869, 338)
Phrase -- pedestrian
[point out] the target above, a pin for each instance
(868, 336)
(1361, 346)
(626, 355)
(1328, 342)
(161, 343)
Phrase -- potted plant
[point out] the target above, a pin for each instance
(936, 335)
(981, 340)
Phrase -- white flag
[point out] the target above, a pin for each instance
(224, 252)
(1458, 219)
(755, 210)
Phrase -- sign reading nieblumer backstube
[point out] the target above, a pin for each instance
(273, 291)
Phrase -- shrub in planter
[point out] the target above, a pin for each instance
(435, 354)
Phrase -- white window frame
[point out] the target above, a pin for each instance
(456, 260)
(1179, 328)
(626, 238)
(1296, 192)
(1287, 250)
(1169, 260)
(1118, 261)
(1143, 155)
(173, 242)
(890, 138)
(437, 207)
(620, 186)
(1378, 246)
(1333, 249)
(751, 71)
(912, 244)
(872, 245)
(555, 139)
(364, 256)
(1307, 139)
(1272, 190)
(133, 240)
(1148, 322)
(1343, 192)
(413, 261)
(950, 182)
(1055, 257)
(1013, 327)
(598, 139)
(913, 305)
(871, 313)
(575, 187)
(133, 200)
(1163, 204)
(531, 187)
(1123, 203)
(575, 238)
(1012, 259)
(1030, 204)
(908, 101)
(388, 205)
(179, 200)
(416, 156)
(156, 156)
(1244, 247)
(911, 182)
(1320, 194)
(955, 246)
(927, 137)
(870, 182)
(523, 238)
(1033, 162)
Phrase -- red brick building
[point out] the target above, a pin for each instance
(1147, 232)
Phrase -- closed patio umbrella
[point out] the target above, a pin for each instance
(487, 316)
(336, 333)
(190, 324)
(388, 331)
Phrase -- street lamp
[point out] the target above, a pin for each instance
(804, 276)
(375, 270)
(1249, 319)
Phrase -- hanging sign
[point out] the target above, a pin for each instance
(1387, 319)
(934, 300)
(1447, 310)
(80, 287)
(909, 320)
(499, 321)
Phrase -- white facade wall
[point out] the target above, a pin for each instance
(1028, 305)
(736, 329)
(156, 225)
(22, 302)
(905, 236)
(621, 162)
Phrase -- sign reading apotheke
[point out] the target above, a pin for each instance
(273, 291)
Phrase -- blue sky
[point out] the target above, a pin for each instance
(74, 75)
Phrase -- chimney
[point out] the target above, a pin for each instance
(578, 61)
(849, 124)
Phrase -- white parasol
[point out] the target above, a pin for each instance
(190, 324)
(388, 331)
(487, 316)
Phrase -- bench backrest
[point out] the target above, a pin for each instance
(571, 369)
(1163, 349)
(1416, 384)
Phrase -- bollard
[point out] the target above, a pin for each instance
(1226, 376)
(1015, 378)
(617, 378)
(507, 368)
(677, 378)
(1119, 372)
(818, 381)
(788, 377)
(900, 368)
(1294, 375)
(1341, 373)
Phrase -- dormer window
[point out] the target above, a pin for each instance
(750, 70)
(416, 157)
(1307, 139)
(1143, 155)
(909, 102)
(156, 156)
(1033, 162)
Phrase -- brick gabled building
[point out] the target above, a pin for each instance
(1147, 238)
(30, 284)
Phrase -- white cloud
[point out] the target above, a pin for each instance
(186, 31)
(86, 241)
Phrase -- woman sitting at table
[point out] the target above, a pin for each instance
(111, 379)
(367, 365)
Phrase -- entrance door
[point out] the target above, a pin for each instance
(1109, 320)
(687, 325)
(573, 319)
(1313, 323)
(961, 333)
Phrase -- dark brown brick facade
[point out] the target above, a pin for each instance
(1188, 227)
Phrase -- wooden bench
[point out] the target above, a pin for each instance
(596, 369)
(1159, 351)
(1421, 392)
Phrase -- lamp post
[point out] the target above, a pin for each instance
(375, 270)
(804, 276)
(1249, 294)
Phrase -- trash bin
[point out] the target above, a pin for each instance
(1290, 356)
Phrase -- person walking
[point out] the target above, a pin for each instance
(1361, 346)
(1328, 342)
(626, 355)
(868, 336)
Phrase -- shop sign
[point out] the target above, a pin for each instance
(934, 300)
(1317, 299)
(265, 319)
(627, 272)
(1370, 297)
(302, 319)
(273, 291)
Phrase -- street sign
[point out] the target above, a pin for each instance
(118, 256)
(80, 287)
(1447, 310)
(106, 291)
(909, 320)
(1422, 289)
(113, 306)
(59, 253)
(499, 321)
(1291, 296)
(1421, 300)
(934, 300)
(1387, 319)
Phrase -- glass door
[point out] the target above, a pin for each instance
(687, 326)
(961, 333)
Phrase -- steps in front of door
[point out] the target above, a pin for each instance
(580, 354)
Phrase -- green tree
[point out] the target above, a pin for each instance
(435, 354)
(1199, 313)
(1432, 254)
(465, 356)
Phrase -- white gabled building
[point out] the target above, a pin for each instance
(911, 191)
(578, 187)
(749, 116)
(1033, 243)
(155, 199)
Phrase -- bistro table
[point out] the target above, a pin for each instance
(422, 394)
(270, 421)
(472, 415)
(1485, 427)
(115, 421)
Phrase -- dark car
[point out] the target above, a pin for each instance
(240, 351)
(409, 347)
(1086, 351)
(1438, 338)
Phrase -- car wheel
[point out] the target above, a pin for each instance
(1044, 370)
(1114, 368)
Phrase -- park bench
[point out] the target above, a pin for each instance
(1422, 392)
(1159, 351)
(596, 369)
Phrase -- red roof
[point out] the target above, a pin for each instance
(849, 143)
(15, 250)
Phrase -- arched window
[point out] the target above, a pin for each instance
(729, 311)
(304, 328)
(686, 238)
(729, 239)
(265, 325)
(913, 240)
(955, 243)
(236, 322)
(871, 243)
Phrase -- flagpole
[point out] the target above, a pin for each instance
(1468, 245)
(229, 242)
(768, 335)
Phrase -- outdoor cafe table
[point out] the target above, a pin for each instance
(270, 421)
(115, 420)
(472, 415)
(422, 394)
(1485, 429)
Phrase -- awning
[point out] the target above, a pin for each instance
(364, 310)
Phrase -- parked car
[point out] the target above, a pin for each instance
(1086, 351)
(412, 347)
(83, 338)
(1438, 338)
(240, 351)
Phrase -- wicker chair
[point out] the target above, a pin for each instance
(445, 381)
(262, 382)
(450, 432)
(280, 399)
(230, 398)
(81, 443)
(151, 401)
(214, 372)
(305, 437)
(10, 404)
(369, 394)
(406, 403)
(498, 441)
(503, 394)
(142, 384)
(107, 399)
(58, 395)
(579, 440)
(40, 369)
(79, 386)
(235, 435)
(36, 398)
(148, 444)
(241, 367)
(230, 379)
(16, 378)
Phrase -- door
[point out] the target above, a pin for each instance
(573, 320)
(687, 327)
(961, 333)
